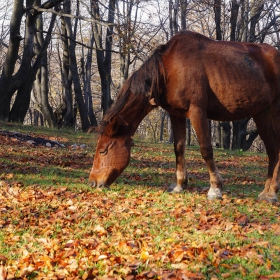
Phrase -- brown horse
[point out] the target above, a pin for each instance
(198, 78)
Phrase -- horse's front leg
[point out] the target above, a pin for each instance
(179, 133)
(200, 123)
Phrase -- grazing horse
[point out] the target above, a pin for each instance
(194, 77)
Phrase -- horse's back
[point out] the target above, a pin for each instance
(229, 78)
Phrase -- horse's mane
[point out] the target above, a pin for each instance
(144, 83)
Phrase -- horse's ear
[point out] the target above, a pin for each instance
(114, 126)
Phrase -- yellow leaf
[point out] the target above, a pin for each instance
(169, 240)
(144, 254)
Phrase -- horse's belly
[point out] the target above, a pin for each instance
(238, 104)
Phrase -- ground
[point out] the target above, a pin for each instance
(54, 226)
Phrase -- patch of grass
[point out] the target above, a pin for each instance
(53, 224)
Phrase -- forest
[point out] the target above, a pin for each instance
(63, 62)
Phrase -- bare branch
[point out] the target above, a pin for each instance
(77, 42)
(72, 16)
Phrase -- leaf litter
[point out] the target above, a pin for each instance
(135, 230)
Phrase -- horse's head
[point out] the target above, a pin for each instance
(112, 153)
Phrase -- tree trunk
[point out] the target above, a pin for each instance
(163, 115)
(20, 81)
(104, 57)
(257, 8)
(75, 75)
(42, 78)
(173, 17)
(11, 58)
(184, 4)
(218, 135)
(40, 95)
(85, 66)
(233, 19)
(217, 11)
(126, 29)
(242, 138)
(66, 75)
(170, 130)
(41, 89)
(225, 134)
(87, 83)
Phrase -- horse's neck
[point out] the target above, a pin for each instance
(134, 115)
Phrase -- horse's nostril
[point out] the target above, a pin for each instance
(92, 184)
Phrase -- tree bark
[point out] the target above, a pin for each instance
(257, 8)
(184, 5)
(163, 114)
(173, 17)
(11, 82)
(104, 56)
(75, 75)
(11, 58)
(126, 29)
(66, 118)
(233, 19)
(87, 85)
(170, 130)
(40, 95)
(225, 134)
(217, 11)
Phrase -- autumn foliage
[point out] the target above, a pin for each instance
(53, 226)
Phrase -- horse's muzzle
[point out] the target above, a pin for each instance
(95, 184)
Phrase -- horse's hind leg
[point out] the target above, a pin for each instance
(200, 123)
(179, 133)
(270, 133)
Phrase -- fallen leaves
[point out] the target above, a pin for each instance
(133, 230)
(64, 233)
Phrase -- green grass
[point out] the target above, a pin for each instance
(52, 224)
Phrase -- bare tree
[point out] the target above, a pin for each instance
(38, 73)
(104, 52)
(74, 71)
(21, 81)
(65, 113)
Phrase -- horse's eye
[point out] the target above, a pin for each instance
(103, 153)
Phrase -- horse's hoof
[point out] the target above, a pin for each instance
(175, 189)
(267, 197)
(214, 194)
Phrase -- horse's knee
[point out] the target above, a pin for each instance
(206, 152)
